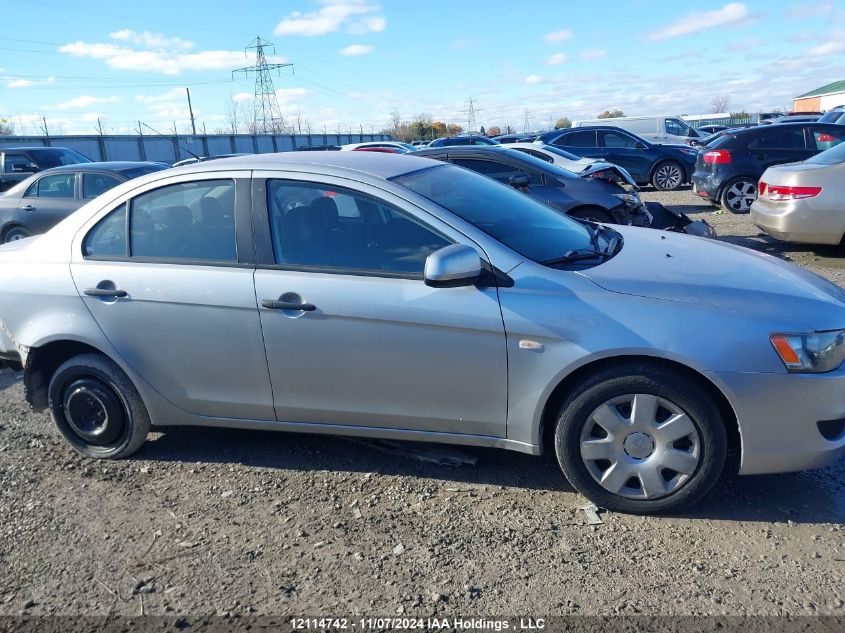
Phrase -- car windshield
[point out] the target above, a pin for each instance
(134, 172)
(832, 116)
(47, 158)
(528, 227)
(832, 156)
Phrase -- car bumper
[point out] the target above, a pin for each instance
(706, 185)
(806, 221)
(779, 416)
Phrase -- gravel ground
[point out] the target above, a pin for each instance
(234, 523)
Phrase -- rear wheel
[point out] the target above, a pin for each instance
(593, 214)
(641, 439)
(667, 176)
(739, 194)
(97, 408)
(15, 233)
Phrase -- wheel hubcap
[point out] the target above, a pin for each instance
(94, 411)
(640, 446)
(741, 195)
(668, 177)
(16, 235)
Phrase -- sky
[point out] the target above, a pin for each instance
(355, 62)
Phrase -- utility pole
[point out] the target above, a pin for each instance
(44, 126)
(268, 115)
(140, 129)
(99, 126)
(191, 112)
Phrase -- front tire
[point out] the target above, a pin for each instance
(97, 408)
(667, 176)
(641, 439)
(739, 194)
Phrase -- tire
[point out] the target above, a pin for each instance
(97, 408)
(738, 194)
(14, 233)
(630, 467)
(667, 176)
(593, 214)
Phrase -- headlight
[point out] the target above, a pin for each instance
(815, 352)
(631, 199)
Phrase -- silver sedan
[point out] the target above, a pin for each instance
(396, 297)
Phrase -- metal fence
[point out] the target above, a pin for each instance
(730, 122)
(170, 149)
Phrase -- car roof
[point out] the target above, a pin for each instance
(759, 129)
(376, 164)
(114, 165)
(32, 148)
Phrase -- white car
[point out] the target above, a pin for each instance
(402, 148)
(554, 155)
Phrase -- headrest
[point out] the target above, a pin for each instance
(179, 217)
(323, 213)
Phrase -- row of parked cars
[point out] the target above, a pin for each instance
(413, 298)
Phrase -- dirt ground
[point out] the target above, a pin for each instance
(204, 522)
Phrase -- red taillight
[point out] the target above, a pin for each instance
(717, 157)
(761, 188)
(781, 193)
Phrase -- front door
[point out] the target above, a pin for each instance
(171, 286)
(621, 149)
(353, 334)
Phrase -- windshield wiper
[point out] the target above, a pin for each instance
(576, 255)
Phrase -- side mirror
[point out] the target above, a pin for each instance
(519, 181)
(639, 145)
(452, 266)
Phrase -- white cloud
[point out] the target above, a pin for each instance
(357, 49)
(20, 83)
(83, 101)
(238, 97)
(332, 16)
(90, 117)
(286, 95)
(558, 36)
(557, 58)
(833, 44)
(810, 10)
(732, 14)
(158, 53)
(535, 80)
(593, 54)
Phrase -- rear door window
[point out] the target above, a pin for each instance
(616, 140)
(577, 139)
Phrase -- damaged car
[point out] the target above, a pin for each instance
(400, 298)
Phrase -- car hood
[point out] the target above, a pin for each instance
(677, 267)
(607, 171)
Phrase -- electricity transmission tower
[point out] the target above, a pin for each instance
(526, 123)
(268, 115)
(471, 111)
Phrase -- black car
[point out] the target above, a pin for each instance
(728, 169)
(44, 199)
(465, 139)
(19, 163)
(666, 167)
(590, 199)
(515, 138)
(712, 129)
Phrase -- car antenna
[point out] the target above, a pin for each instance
(174, 141)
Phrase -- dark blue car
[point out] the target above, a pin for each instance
(464, 139)
(666, 167)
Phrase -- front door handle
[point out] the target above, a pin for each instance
(105, 292)
(275, 304)
(27, 207)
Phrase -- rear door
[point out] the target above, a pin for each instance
(778, 145)
(48, 201)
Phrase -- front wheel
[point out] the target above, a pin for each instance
(667, 176)
(97, 408)
(739, 194)
(641, 439)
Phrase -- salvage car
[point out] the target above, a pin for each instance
(727, 170)
(554, 155)
(41, 201)
(666, 167)
(804, 202)
(415, 300)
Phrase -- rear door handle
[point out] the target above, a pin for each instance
(27, 207)
(275, 304)
(105, 292)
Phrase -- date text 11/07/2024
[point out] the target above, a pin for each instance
(424, 624)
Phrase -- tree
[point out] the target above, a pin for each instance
(438, 129)
(494, 130)
(611, 114)
(233, 116)
(562, 123)
(453, 128)
(719, 104)
(7, 128)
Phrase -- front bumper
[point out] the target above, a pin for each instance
(778, 416)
